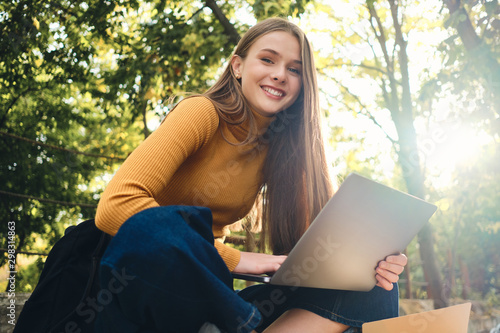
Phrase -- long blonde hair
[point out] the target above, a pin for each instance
(296, 181)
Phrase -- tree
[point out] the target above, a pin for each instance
(401, 107)
(383, 30)
(472, 56)
(78, 81)
(471, 74)
(472, 234)
(55, 137)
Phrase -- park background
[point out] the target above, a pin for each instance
(410, 92)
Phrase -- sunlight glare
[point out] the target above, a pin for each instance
(450, 147)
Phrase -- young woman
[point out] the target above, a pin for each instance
(255, 134)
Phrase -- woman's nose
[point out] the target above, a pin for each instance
(280, 75)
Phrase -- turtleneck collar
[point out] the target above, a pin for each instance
(240, 132)
(262, 122)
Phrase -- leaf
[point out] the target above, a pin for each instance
(491, 7)
(36, 24)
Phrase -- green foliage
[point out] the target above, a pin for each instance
(468, 79)
(27, 277)
(472, 58)
(46, 76)
(468, 229)
(468, 226)
(78, 81)
(281, 8)
(88, 76)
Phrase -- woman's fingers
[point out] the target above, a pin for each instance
(383, 283)
(394, 268)
(386, 278)
(397, 259)
(389, 269)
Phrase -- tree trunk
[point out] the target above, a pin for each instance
(407, 275)
(465, 278)
(412, 173)
(465, 28)
(482, 56)
(409, 159)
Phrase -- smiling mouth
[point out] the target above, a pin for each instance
(273, 92)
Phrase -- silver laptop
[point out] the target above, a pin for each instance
(361, 224)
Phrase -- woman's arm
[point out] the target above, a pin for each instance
(150, 167)
(258, 263)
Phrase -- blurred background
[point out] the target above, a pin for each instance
(410, 92)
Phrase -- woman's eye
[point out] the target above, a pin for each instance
(294, 70)
(267, 60)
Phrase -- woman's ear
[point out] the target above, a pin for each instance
(237, 64)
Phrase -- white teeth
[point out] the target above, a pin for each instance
(272, 91)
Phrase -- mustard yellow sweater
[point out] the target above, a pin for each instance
(187, 161)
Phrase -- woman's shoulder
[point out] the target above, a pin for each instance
(196, 113)
(198, 106)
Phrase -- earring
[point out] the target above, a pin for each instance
(237, 76)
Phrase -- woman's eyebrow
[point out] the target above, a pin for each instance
(298, 62)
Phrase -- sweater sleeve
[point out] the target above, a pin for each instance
(231, 256)
(152, 164)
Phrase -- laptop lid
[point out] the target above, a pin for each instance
(360, 225)
(453, 319)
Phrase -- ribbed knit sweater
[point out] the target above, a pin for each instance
(187, 161)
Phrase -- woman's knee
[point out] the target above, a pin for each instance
(300, 320)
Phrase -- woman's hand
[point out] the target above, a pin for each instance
(388, 270)
(258, 263)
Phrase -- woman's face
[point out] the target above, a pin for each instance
(271, 73)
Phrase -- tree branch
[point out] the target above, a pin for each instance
(393, 99)
(406, 102)
(364, 110)
(196, 13)
(13, 102)
(465, 29)
(380, 36)
(231, 33)
(377, 69)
